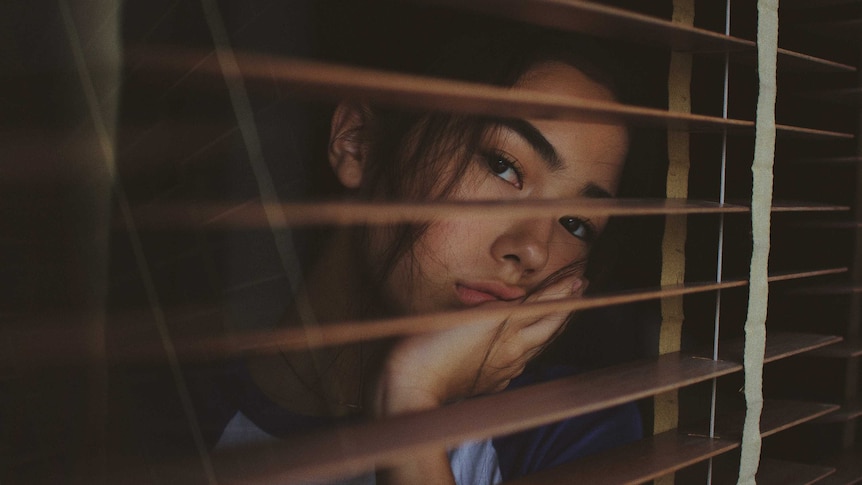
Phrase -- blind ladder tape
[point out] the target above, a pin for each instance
(761, 202)
(666, 406)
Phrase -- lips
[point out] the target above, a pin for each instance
(476, 293)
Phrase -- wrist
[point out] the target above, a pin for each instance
(399, 394)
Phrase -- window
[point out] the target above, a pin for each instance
(169, 188)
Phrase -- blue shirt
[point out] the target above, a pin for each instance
(255, 419)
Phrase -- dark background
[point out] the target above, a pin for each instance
(70, 417)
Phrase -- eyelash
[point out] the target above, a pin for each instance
(496, 160)
(575, 224)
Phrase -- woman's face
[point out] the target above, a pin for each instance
(463, 263)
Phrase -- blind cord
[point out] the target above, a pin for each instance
(720, 255)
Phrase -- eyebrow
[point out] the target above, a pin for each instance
(594, 191)
(548, 153)
(536, 140)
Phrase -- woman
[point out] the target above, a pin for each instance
(453, 264)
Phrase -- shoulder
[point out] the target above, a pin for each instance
(250, 416)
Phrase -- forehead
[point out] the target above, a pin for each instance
(559, 78)
(592, 153)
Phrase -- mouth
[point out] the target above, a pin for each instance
(472, 294)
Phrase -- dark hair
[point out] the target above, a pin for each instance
(408, 150)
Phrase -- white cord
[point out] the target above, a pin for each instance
(720, 257)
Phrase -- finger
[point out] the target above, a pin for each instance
(580, 289)
(547, 327)
(543, 330)
(566, 287)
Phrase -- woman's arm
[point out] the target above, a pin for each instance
(427, 371)
(422, 468)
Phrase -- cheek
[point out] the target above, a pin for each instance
(446, 245)
(567, 250)
(423, 277)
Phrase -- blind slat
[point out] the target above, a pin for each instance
(47, 343)
(776, 472)
(802, 4)
(848, 465)
(778, 415)
(787, 130)
(843, 350)
(611, 22)
(338, 82)
(634, 464)
(253, 214)
(670, 451)
(347, 332)
(848, 412)
(332, 452)
(782, 345)
(347, 449)
(362, 445)
(791, 60)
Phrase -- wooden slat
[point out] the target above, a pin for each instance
(848, 467)
(777, 416)
(48, 343)
(791, 60)
(800, 131)
(780, 472)
(254, 214)
(784, 206)
(829, 160)
(670, 451)
(847, 412)
(347, 449)
(347, 332)
(611, 22)
(185, 142)
(802, 4)
(602, 20)
(338, 82)
(636, 463)
(775, 277)
(776, 472)
(779, 345)
(842, 350)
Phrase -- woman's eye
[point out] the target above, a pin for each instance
(504, 168)
(580, 228)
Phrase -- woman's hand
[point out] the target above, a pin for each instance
(428, 370)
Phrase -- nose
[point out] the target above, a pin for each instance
(524, 244)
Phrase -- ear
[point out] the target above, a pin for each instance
(348, 145)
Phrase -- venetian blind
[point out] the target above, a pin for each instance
(153, 234)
